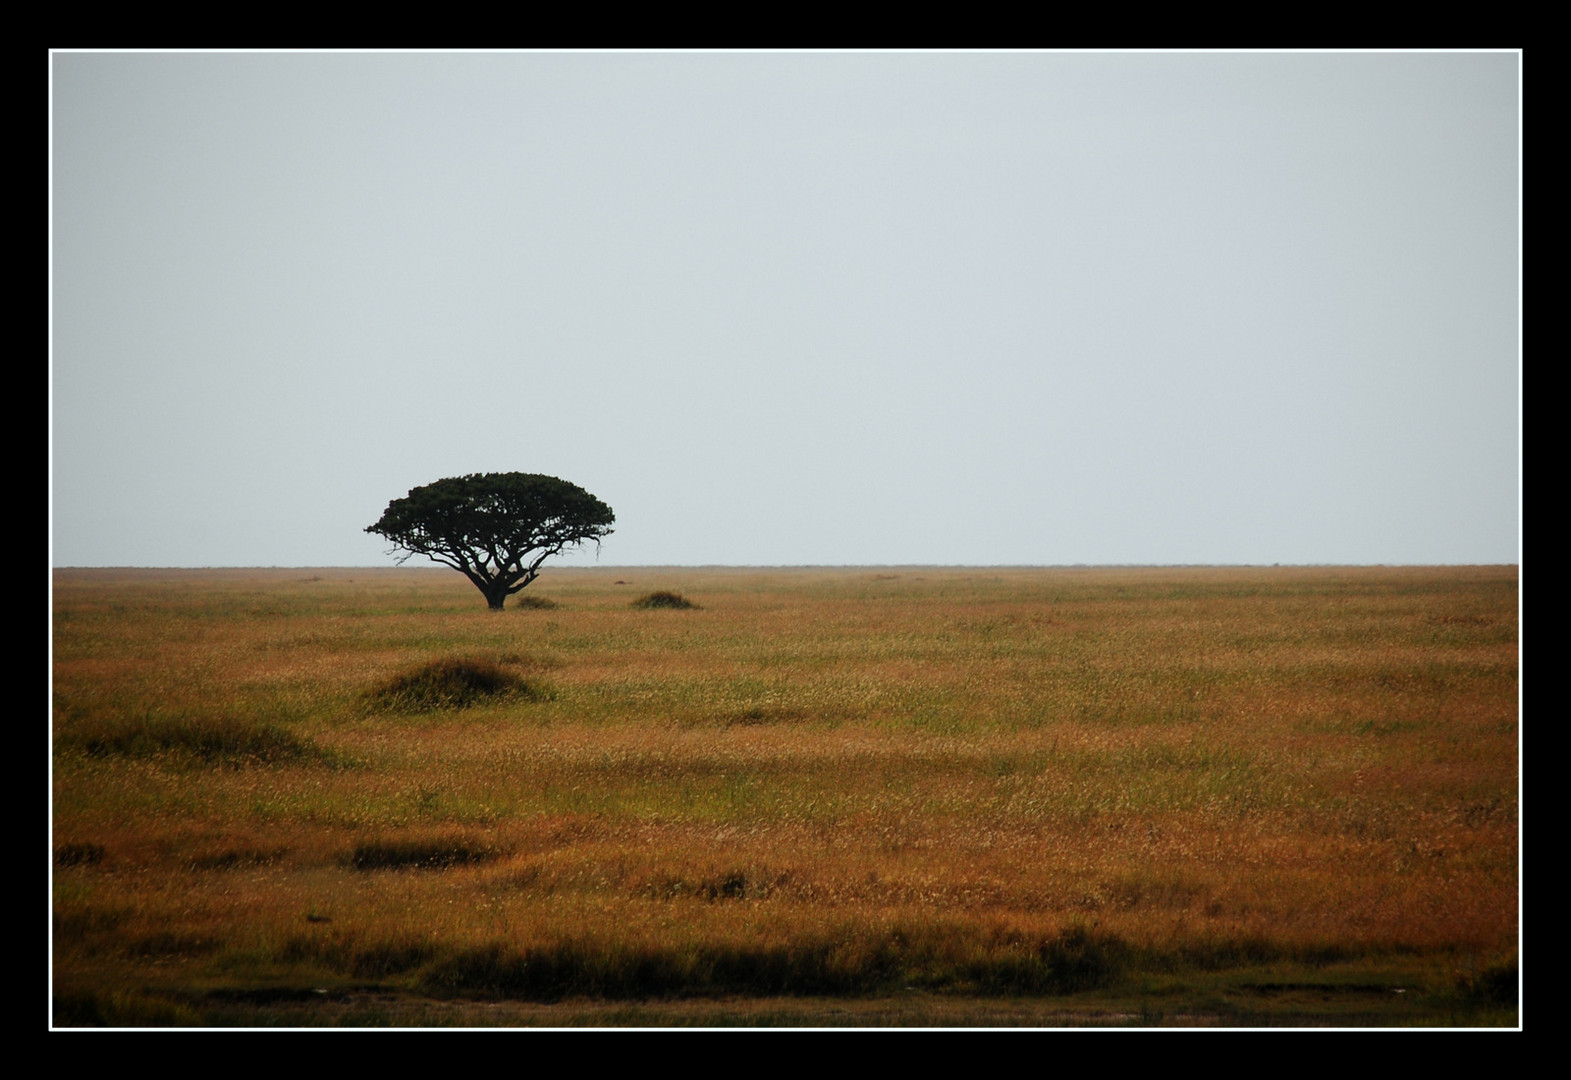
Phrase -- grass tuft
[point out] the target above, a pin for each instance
(234, 858)
(1494, 985)
(90, 1008)
(207, 739)
(439, 853)
(86, 854)
(452, 683)
(539, 603)
(664, 599)
(1072, 961)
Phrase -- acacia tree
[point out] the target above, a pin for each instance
(494, 528)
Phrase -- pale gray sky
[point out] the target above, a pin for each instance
(974, 308)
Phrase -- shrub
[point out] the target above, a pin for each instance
(664, 599)
(539, 603)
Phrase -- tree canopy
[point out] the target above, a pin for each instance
(494, 528)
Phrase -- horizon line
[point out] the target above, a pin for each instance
(817, 566)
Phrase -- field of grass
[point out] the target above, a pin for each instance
(907, 796)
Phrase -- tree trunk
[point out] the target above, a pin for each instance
(496, 596)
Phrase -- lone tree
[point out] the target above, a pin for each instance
(494, 528)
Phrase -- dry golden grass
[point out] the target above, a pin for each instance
(1077, 785)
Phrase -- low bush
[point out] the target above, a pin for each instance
(451, 683)
(664, 599)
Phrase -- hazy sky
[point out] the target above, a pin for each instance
(974, 308)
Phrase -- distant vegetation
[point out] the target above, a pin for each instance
(1075, 796)
(663, 599)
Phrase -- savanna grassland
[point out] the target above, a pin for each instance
(1213, 796)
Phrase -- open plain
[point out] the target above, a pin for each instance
(819, 797)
